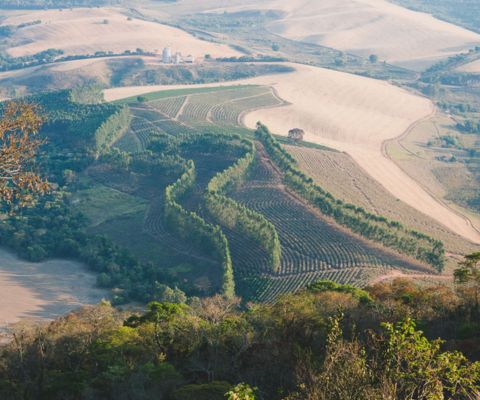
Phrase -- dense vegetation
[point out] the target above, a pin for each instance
(53, 227)
(8, 63)
(190, 227)
(389, 233)
(330, 342)
(136, 72)
(235, 216)
(81, 126)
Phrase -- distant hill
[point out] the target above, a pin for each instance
(35, 4)
(465, 13)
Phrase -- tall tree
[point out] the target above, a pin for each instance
(19, 143)
(467, 278)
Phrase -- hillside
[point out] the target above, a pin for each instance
(473, 67)
(357, 115)
(345, 179)
(124, 71)
(85, 31)
(292, 212)
(215, 107)
(42, 4)
(169, 142)
(299, 348)
(363, 27)
(464, 13)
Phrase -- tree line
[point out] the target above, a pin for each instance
(236, 216)
(194, 229)
(328, 342)
(371, 226)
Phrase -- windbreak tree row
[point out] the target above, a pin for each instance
(377, 228)
(236, 216)
(112, 129)
(189, 226)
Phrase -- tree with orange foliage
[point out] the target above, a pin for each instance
(19, 143)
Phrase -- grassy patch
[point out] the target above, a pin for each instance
(192, 275)
(163, 94)
(101, 203)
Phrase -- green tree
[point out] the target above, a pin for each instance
(415, 368)
(467, 279)
(242, 391)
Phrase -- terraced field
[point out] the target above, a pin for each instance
(339, 174)
(312, 247)
(180, 113)
(169, 106)
(230, 113)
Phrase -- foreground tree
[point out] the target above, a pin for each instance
(399, 364)
(467, 279)
(19, 143)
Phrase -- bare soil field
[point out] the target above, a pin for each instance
(396, 34)
(473, 67)
(421, 156)
(363, 27)
(86, 31)
(352, 114)
(43, 291)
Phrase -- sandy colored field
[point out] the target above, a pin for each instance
(473, 67)
(365, 27)
(43, 291)
(362, 27)
(83, 31)
(352, 114)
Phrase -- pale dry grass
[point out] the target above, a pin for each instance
(396, 34)
(43, 291)
(363, 27)
(473, 67)
(82, 31)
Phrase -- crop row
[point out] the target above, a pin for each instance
(169, 106)
(189, 226)
(233, 215)
(229, 113)
(146, 113)
(199, 106)
(308, 242)
(372, 226)
(268, 289)
(129, 143)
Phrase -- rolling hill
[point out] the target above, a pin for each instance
(86, 31)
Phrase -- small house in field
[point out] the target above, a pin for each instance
(296, 134)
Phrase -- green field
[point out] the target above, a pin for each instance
(101, 203)
(122, 193)
(312, 247)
